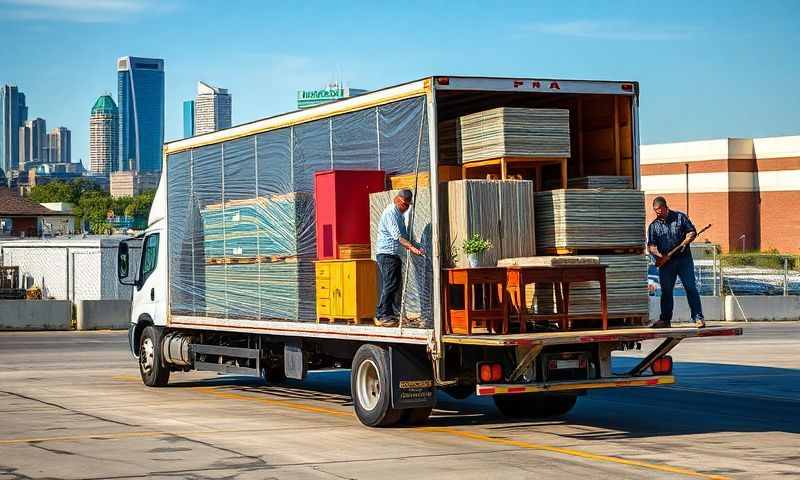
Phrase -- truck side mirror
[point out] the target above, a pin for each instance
(123, 261)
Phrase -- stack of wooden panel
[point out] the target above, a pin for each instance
(418, 293)
(590, 219)
(505, 132)
(257, 258)
(601, 181)
(549, 261)
(626, 285)
(499, 211)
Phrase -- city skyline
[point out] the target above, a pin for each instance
(704, 71)
(212, 109)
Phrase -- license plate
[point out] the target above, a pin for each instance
(564, 364)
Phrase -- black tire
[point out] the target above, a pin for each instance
(415, 416)
(370, 387)
(534, 405)
(154, 372)
(273, 374)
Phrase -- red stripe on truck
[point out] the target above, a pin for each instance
(485, 390)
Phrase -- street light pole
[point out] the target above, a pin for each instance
(743, 238)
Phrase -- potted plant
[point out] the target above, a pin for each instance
(474, 247)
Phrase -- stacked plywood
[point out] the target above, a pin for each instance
(276, 290)
(590, 219)
(418, 278)
(500, 211)
(601, 181)
(505, 132)
(626, 285)
(549, 261)
(256, 256)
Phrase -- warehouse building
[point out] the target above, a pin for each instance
(746, 188)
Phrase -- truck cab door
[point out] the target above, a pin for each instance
(149, 296)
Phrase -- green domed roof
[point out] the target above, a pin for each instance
(105, 104)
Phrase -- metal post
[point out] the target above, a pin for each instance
(686, 166)
(714, 265)
(785, 276)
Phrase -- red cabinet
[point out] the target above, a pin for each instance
(341, 198)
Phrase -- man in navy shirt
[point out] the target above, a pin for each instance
(668, 230)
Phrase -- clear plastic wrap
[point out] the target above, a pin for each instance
(241, 213)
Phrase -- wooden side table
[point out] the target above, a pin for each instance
(493, 315)
(561, 277)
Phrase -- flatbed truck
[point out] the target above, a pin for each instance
(180, 323)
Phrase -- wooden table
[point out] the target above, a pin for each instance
(493, 315)
(501, 166)
(561, 277)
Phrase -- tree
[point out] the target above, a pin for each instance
(140, 205)
(57, 191)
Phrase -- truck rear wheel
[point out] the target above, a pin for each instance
(154, 372)
(534, 405)
(370, 387)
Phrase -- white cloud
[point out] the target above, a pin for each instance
(612, 30)
(82, 11)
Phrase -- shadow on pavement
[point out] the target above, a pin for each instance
(708, 398)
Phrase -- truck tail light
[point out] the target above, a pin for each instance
(489, 372)
(443, 80)
(662, 365)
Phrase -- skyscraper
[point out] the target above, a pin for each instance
(33, 144)
(60, 145)
(104, 136)
(141, 113)
(188, 118)
(212, 109)
(13, 114)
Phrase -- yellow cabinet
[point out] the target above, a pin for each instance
(346, 290)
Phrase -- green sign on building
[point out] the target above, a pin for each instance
(312, 98)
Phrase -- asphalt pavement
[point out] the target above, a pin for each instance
(72, 406)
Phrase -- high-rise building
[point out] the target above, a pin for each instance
(60, 145)
(212, 109)
(13, 114)
(104, 136)
(141, 113)
(188, 118)
(33, 143)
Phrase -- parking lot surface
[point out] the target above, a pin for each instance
(72, 406)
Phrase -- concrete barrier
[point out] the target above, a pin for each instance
(755, 307)
(35, 315)
(760, 307)
(103, 314)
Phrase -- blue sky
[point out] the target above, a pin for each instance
(707, 68)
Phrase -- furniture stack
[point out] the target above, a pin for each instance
(255, 260)
(589, 219)
(505, 132)
(499, 211)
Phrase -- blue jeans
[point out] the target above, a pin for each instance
(390, 271)
(682, 267)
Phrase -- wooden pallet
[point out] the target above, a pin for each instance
(349, 251)
(347, 320)
(589, 251)
(251, 260)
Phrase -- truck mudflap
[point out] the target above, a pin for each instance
(573, 386)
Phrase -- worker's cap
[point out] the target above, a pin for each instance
(406, 195)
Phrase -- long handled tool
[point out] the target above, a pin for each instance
(660, 261)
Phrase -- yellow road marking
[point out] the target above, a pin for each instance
(571, 452)
(471, 435)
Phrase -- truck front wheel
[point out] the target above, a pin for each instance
(370, 387)
(154, 373)
(534, 405)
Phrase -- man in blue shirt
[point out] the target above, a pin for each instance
(391, 243)
(670, 229)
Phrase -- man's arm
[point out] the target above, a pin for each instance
(409, 246)
(651, 246)
(689, 229)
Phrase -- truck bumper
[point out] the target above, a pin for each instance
(613, 382)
